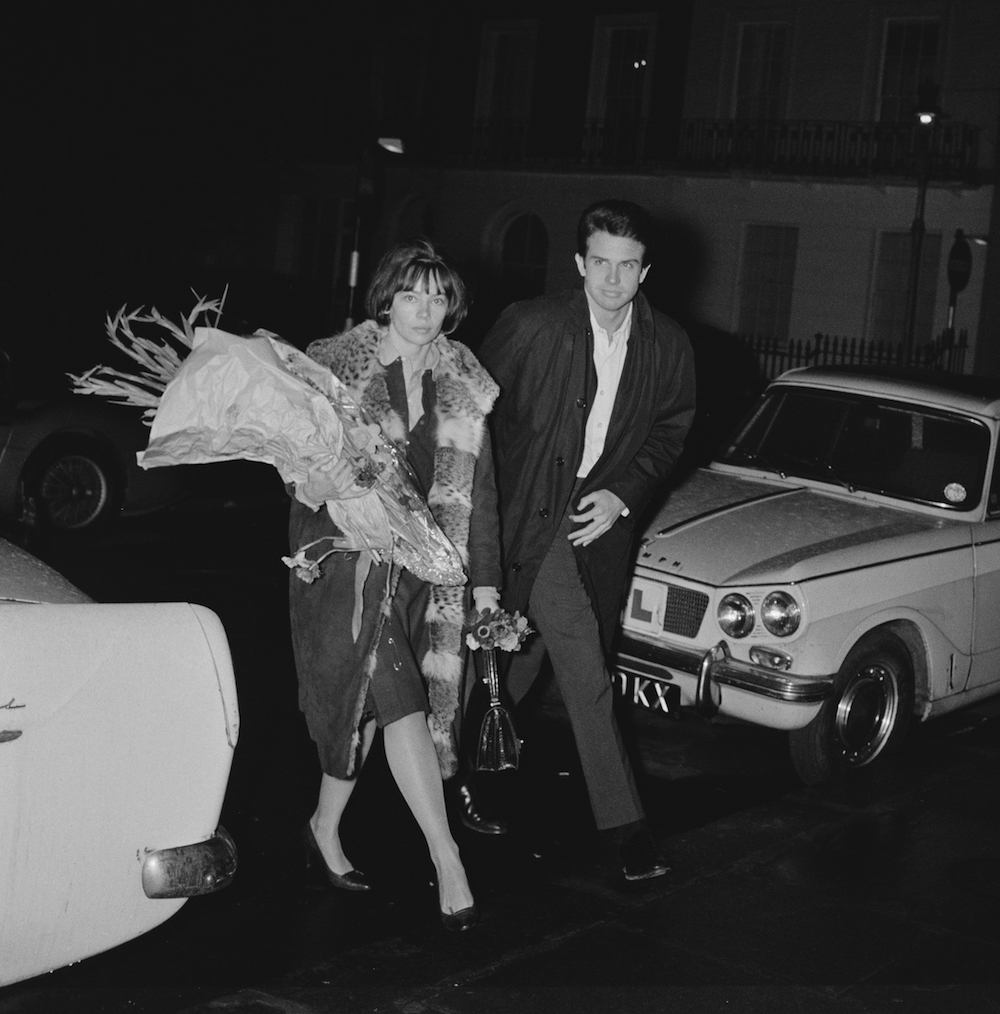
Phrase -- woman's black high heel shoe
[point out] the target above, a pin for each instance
(463, 919)
(352, 880)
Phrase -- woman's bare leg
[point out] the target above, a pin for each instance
(413, 763)
(333, 796)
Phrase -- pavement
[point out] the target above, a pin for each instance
(875, 895)
(869, 895)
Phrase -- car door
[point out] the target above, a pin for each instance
(986, 633)
(117, 730)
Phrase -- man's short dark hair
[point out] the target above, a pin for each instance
(618, 218)
(407, 265)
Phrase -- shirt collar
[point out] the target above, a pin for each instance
(624, 329)
(387, 356)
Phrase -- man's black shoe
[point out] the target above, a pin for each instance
(472, 818)
(641, 859)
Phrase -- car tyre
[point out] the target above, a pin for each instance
(866, 718)
(73, 488)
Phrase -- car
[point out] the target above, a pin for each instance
(118, 724)
(68, 462)
(834, 572)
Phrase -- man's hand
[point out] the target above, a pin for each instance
(598, 512)
(332, 480)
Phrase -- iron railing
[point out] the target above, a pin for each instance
(946, 354)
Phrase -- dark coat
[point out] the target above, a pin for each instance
(450, 454)
(540, 352)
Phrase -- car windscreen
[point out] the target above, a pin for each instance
(866, 443)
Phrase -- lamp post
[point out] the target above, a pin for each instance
(925, 120)
(365, 186)
(959, 271)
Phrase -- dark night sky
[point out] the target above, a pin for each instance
(116, 129)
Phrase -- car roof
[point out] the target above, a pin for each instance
(980, 395)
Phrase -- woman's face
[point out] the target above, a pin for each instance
(417, 316)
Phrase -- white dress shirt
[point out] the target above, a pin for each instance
(609, 361)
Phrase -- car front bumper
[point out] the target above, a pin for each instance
(190, 870)
(715, 682)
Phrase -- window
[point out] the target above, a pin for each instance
(864, 443)
(762, 72)
(524, 258)
(766, 280)
(506, 70)
(892, 281)
(909, 63)
(621, 69)
(503, 94)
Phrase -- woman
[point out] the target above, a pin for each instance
(431, 397)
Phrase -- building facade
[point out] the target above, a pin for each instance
(777, 143)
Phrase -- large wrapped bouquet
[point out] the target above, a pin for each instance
(259, 398)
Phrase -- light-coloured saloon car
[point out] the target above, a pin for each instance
(117, 730)
(835, 572)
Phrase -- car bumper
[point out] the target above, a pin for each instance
(715, 682)
(190, 870)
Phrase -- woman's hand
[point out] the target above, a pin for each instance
(332, 480)
(485, 598)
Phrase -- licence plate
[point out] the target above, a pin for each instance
(647, 692)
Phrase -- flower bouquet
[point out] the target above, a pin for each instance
(499, 748)
(259, 398)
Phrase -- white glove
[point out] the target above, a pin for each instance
(485, 597)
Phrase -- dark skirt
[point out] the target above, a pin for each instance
(397, 688)
(330, 663)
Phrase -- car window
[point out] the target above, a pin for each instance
(993, 504)
(867, 443)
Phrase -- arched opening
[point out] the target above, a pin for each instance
(524, 255)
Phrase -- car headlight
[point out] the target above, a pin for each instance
(780, 613)
(736, 615)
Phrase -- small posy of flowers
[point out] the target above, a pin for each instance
(495, 628)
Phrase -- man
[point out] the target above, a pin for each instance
(597, 395)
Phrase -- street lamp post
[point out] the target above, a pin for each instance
(959, 272)
(364, 186)
(926, 118)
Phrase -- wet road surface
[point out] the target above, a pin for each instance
(876, 895)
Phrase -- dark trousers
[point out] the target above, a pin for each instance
(561, 612)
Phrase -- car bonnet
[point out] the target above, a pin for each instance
(24, 578)
(724, 530)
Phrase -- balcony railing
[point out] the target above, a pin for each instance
(771, 147)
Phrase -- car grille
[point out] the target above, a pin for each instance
(684, 611)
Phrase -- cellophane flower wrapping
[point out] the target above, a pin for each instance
(261, 399)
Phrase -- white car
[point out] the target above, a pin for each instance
(117, 730)
(835, 572)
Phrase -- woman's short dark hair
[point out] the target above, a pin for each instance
(403, 268)
(617, 218)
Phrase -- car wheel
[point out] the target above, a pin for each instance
(867, 716)
(73, 489)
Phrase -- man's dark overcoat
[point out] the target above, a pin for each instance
(541, 353)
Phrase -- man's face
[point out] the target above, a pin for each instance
(612, 270)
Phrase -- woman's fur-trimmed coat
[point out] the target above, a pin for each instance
(464, 396)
